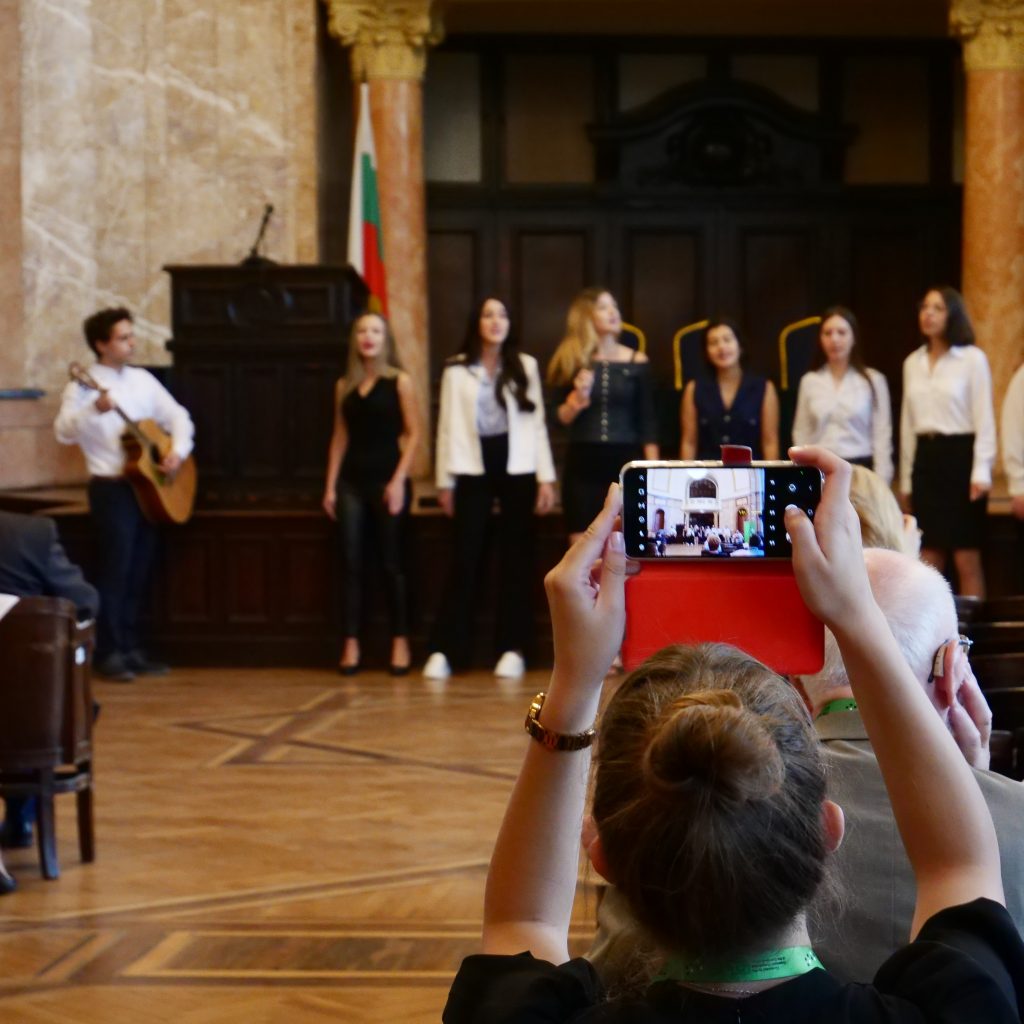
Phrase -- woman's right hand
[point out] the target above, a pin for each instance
(446, 499)
(329, 504)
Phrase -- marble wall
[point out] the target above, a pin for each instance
(153, 132)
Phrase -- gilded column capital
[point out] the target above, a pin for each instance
(388, 38)
(992, 33)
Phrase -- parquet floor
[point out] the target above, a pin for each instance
(272, 845)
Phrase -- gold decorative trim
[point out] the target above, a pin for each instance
(677, 348)
(641, 338)
(991, 31)
(808, 321)
(387, 39)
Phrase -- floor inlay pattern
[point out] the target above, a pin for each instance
(272, 845)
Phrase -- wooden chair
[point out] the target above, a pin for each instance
(46, 715)
(633, 337)
(1001, 609)
(970, 609)
(996, 638)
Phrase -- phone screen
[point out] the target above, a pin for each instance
(686, 510)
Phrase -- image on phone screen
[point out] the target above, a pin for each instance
(687, 511)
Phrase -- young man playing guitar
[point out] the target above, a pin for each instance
(126, 540)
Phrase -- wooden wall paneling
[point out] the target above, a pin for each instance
(775, 278)
(251, 577)
(550, 261)
(262, 408)
(206, 392)
(307, 576)
(192, 565)
(454, 280)
(310, 420)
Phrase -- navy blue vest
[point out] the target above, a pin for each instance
(740, 424)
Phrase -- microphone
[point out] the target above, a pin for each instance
(254, 256)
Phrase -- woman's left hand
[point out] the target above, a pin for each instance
(545, 499)
(394, 495)
(588, 601)
(979, 491)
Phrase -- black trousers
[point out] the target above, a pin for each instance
(126, 549)
(516, 537)
(359, 507)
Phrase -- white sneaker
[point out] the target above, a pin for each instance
(510, 665)
(437, 667)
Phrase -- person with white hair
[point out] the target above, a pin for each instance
(874, 914)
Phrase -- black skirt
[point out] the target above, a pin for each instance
(941, 492)
(589, 470)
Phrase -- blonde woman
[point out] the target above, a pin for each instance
(607, 403)
(376, 432)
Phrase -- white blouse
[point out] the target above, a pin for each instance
(852, 418)
(953, 397)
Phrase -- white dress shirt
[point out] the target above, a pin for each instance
(1012, 429)
(852, 418)
(140, 395)
(459, 451)
(952, 397)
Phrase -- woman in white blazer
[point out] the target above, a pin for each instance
(492, 443)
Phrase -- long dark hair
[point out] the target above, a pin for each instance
(818, 360)
(511, 375)
(958, 324)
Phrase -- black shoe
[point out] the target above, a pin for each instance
(348, 670)
(137, 662)
(114, 667)
(398, 670)
(15, 836)
(7, 883)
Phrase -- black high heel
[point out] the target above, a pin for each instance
(349, 670)
(7, 883)
(399, 670)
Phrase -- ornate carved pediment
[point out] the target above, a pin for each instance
(719, 134)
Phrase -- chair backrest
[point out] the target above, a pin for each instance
(687, 355)
(1001, 609)
(998, 671)
(45, 694)
(796, 347)
(1007, 704)
(633, 337)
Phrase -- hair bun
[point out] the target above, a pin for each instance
(710, 742)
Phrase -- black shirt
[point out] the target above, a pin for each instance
(374, 423)
(621, 409)
(965, 967)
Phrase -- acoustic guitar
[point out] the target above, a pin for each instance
(162, 498)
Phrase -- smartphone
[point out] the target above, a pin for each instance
(686, 510)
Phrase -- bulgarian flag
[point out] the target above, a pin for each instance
(365, 242)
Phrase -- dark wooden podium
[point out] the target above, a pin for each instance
(257, 349)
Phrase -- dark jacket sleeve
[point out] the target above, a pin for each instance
(62, 578)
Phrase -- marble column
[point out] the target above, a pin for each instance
(388, 41)
(992, 32)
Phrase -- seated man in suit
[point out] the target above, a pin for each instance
(34, 564)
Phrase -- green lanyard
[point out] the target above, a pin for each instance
(842, 704)
(774, 963)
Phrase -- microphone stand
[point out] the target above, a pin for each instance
(254, 259)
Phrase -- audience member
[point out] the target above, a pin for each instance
(33, 563)
(883, 524)
(1012, 437)
(710, 813)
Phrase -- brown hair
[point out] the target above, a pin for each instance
(819, 359)
(708, 799)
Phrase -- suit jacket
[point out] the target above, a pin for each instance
(33, 564)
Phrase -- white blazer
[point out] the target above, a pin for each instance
(459, 452)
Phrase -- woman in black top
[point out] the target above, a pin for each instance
(729, 406)
(376, 431)
(607, 404)
(709, 813)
